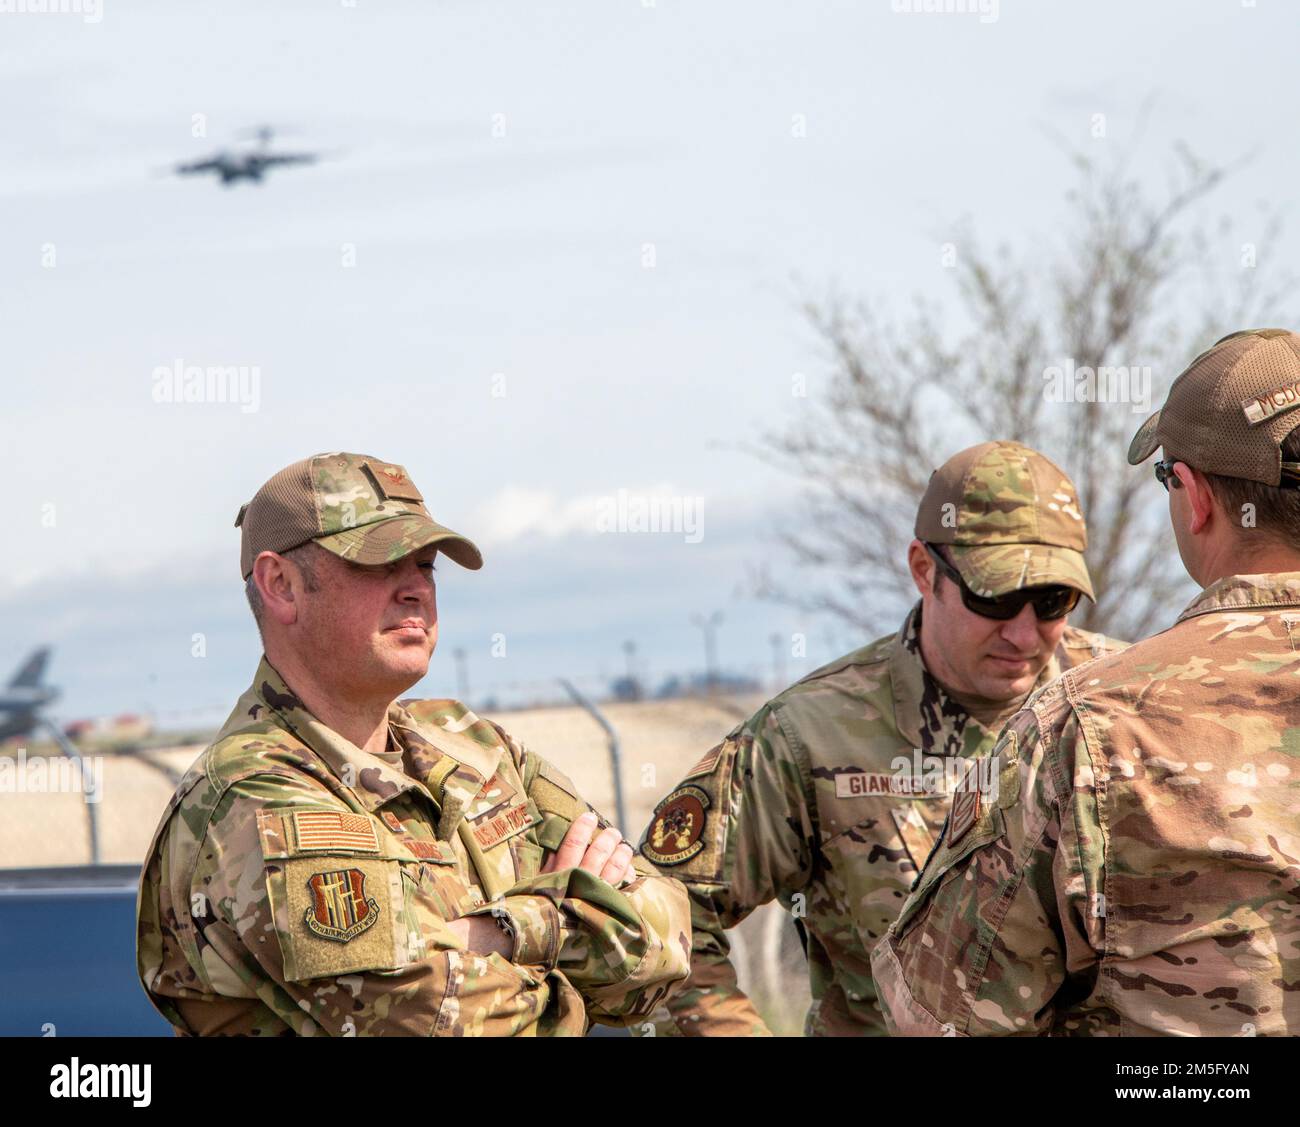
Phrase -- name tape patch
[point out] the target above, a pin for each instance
(1261, 408)
(498, 827)
(863, 784)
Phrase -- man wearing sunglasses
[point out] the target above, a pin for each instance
(831, 796)
(1133, 871)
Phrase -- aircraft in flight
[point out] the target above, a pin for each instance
(233, 165)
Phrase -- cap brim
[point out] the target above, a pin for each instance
(393, 539)
(1145, 443)
(998, 569)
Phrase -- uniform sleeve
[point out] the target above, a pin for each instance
(1007, 910)
(624, 948)
(737, 831)
(336, 937)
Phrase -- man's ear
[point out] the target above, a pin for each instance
(277, 583)
(921, 566)
(1201, 502)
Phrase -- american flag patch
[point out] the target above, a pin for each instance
(331, 829)
(705, 765)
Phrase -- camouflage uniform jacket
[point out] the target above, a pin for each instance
(1136, 871)
(827, 800)
(297, 884)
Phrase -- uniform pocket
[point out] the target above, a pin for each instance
(336, 893)
(337, 914)
(528, 858)
(942, 867)
(551, 831)
(914, 829)
(872, 865)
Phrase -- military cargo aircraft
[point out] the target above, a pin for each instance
(233, 165)
(23, 698)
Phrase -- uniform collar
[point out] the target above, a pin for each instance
(447, 768)
(915, 691)
(1246, 592)
(455, 767)
(920, 702)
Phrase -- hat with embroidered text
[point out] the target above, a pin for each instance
(1230, 410)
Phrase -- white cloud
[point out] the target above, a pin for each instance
(516, 512)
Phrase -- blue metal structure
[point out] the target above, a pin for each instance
(67, 946)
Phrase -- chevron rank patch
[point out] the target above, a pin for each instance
(965, 809)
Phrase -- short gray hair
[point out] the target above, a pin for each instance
(305, 559)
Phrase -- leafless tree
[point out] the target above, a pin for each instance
(1140, 281)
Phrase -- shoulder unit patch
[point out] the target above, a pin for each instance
(678, 827)
(340, 908)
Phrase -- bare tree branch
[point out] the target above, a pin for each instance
(1108, 303)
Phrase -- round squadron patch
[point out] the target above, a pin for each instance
(678, 827)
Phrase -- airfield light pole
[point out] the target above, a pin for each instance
(709, 626)
(615, 748)
(70, 750)
(633, 685)
(778, 660)
(462, 675)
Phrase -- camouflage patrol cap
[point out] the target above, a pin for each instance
(358, 507)
(1010, 517)
(1230, 410)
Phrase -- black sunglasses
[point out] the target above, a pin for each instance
(1289, 475)
(1166, 476)
(1050, 603)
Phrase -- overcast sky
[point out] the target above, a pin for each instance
(573, 231)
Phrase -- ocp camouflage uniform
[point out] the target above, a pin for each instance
(827, 800)
(1136, 873)
(298, 884)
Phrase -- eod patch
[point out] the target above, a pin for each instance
(677, 830)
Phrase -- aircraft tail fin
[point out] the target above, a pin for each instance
(32, 670)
